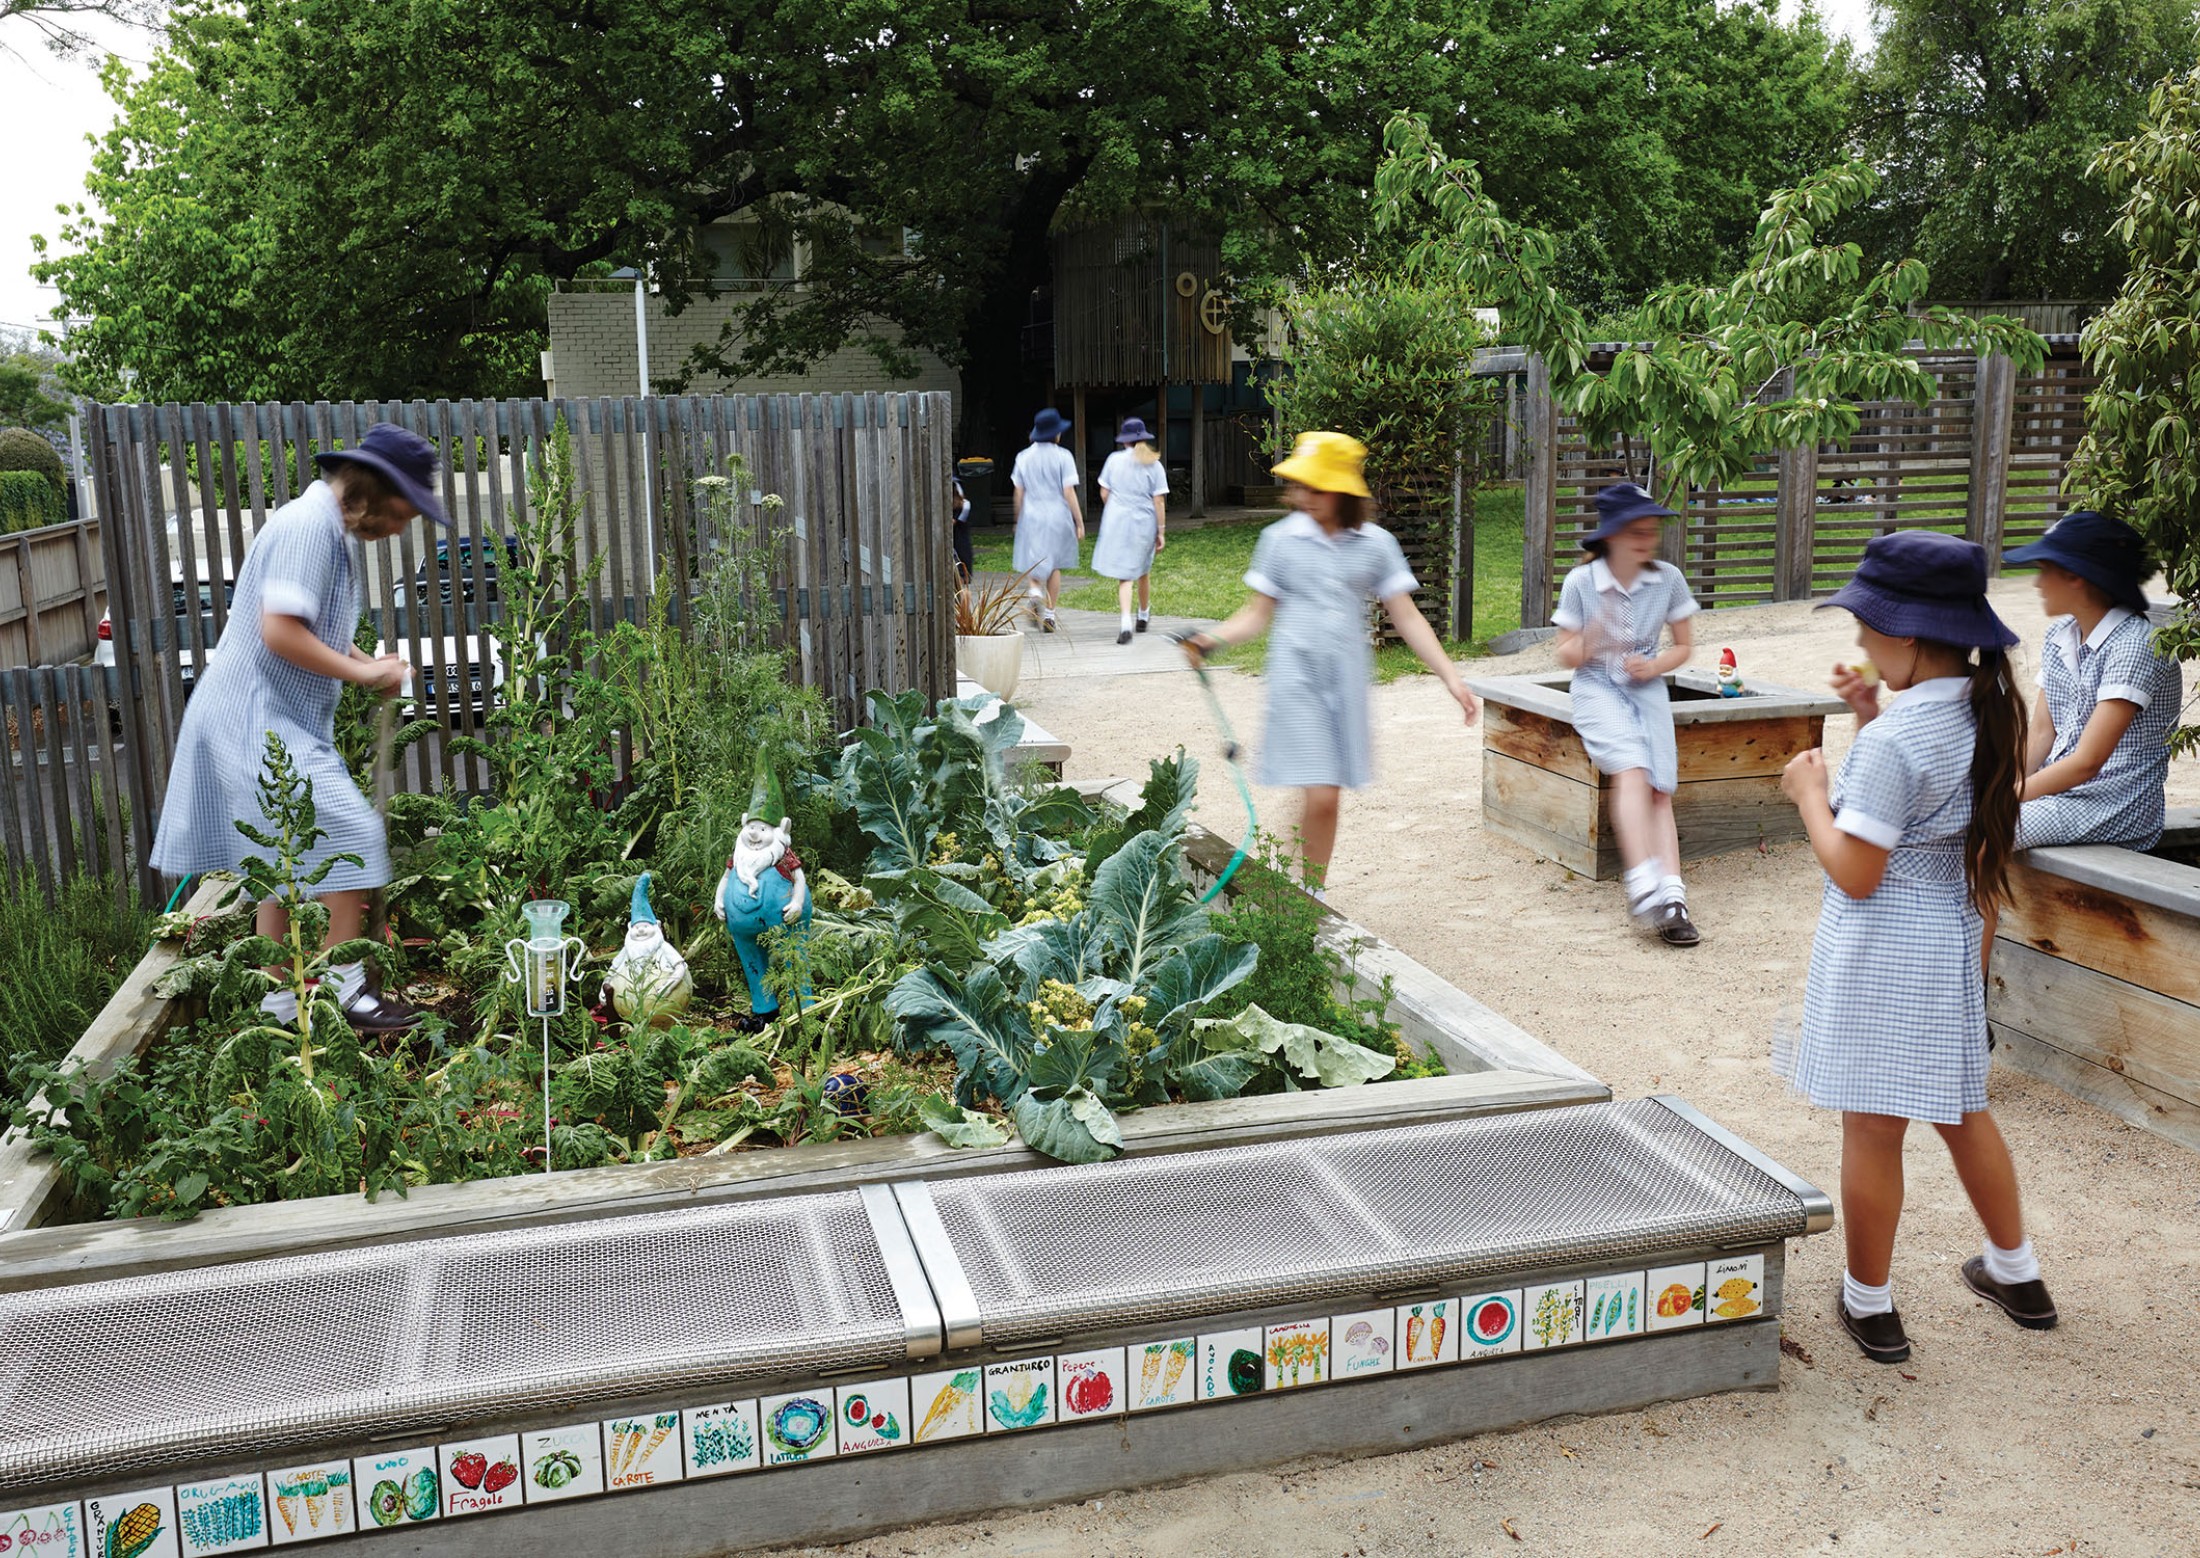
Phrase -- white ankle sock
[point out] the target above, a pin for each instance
(1641, 883)
(351, 978)
(1672, 889)
(282, 1005)
(2010, 1266)
(1861, 1300)
(1126, 622)
(1145, 613)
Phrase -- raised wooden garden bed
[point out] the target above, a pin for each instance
(1540, 789)
(2095, 980)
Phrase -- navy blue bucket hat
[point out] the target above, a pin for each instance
(1134, 432)
(1619, 506)
(1047, 426)
(1922, 584)
(401, 457)
(2102, 551)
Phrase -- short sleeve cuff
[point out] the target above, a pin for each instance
(288, 600)
(1400, 583)
(1256, 580)
(1566, 619)
(1870, 829)
(2124, 692)
(1683, 611)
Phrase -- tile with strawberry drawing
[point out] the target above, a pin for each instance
(311, 1502)
(562, 1463)
(481, 1474)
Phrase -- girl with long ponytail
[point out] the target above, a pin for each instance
(1915, 837)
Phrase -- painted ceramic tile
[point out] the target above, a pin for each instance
(1675, 1297)
(1229, 1364)
(313, 1502)
(1613, 1305)
(227, 1515)
(1019, 1394)
(1089, 1384)
(1298, 1354)
(948, 1405)
(641, 1451)
(721, 1439)
(1491, 1324)
(45, 1530)
(481, 1475)
(1428, 1332)
(1360, 1343)
(873, 1416)
(1165, 1376)
(797, 1427)
(396, 1487)
(1553, 1315)
(1734, 1289)
(562, 1463)
(132, 1525)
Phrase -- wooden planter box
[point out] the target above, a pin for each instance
(2095, 980)
(1540, 789)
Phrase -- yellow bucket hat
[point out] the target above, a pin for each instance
(1327, 462)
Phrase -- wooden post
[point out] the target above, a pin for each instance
(1795, 540)
(1512, 426)
(1461, 607)
(1080, 439)
(1539, 512)
(1161, 422)
(1199, 451)
(84, 570)
(1993, 408)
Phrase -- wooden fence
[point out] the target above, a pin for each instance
(860, 568)
(1985, 458)
(52, 591)
(66, 807)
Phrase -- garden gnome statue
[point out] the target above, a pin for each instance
(763, 885)
(648, 980)
(1730, 675)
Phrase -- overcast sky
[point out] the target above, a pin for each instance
(48, 107)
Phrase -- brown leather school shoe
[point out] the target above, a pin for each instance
(2026, 1303)
(1879, 1337)
(1674, 927)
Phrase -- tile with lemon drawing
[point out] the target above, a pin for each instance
(1734, 1288)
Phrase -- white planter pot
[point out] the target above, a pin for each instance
(993, 661)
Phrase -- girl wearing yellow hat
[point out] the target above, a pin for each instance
(1313, 573)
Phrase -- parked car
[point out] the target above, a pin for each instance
(185, 603)
(453, 572)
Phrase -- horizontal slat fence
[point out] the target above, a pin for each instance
(1985, 458)
(859, 570)
(52, 591)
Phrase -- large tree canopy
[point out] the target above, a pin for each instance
(306, 197)
(1982, 116)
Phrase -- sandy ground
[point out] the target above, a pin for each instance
(1991, 1441)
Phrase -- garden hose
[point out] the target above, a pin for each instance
(1230, 752)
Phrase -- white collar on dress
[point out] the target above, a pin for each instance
(1299, 523)
(1601, 575)
(1937, 689)
(2064, 634)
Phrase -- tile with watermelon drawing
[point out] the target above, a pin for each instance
(1164, 1376)
(1490, 1324)
(1019, 1394)
(798, 1426)
(132, 1525)
(873, 1416)
(1090, 1384)
(314, 1501)
(1675, 1297)
(562, 1463)
(1612, 1306)
(479, 1475)
(1359, 1343)
(1427, 1333)
(720, 1439)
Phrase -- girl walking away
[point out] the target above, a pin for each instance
(2098, 760)
(1134, 523)
(1049, 524)
(958, 507)
(1915, 838)
(1313, 574)
(1613, 612)
(280, 666)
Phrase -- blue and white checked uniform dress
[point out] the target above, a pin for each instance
(1625, 723)
(1046, 532)
(1127, 526)
(2122, 804)
(303, 564)
(1320, 658)
(1894, 1014)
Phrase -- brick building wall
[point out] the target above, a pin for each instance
(592, 352)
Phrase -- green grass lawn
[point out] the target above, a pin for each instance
(1201, 573)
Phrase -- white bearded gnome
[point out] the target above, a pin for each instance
(648, 980)
(763, 886)
(1730, 675)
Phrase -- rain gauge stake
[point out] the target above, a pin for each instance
(543, 961)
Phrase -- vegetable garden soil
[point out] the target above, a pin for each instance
(1990, 1441)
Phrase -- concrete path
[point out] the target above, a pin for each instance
(1086, 646)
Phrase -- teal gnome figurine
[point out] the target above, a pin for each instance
(648, 980)
(763, 886)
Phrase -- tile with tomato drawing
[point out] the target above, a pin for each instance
(1428, 1332)
(1491, 1323)
(1613, 1305)
(480, 1475)
(873, 1416)
(721, 1439)
(1298, 1353)
(313, 1502)
(1675, 1295)
(562, 1463)
(53, 1530)
(1359, 1343)
(1090, 1384)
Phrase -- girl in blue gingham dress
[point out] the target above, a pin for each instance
(1915, 838)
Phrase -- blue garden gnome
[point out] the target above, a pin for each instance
(763, 886)
(648, 980)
